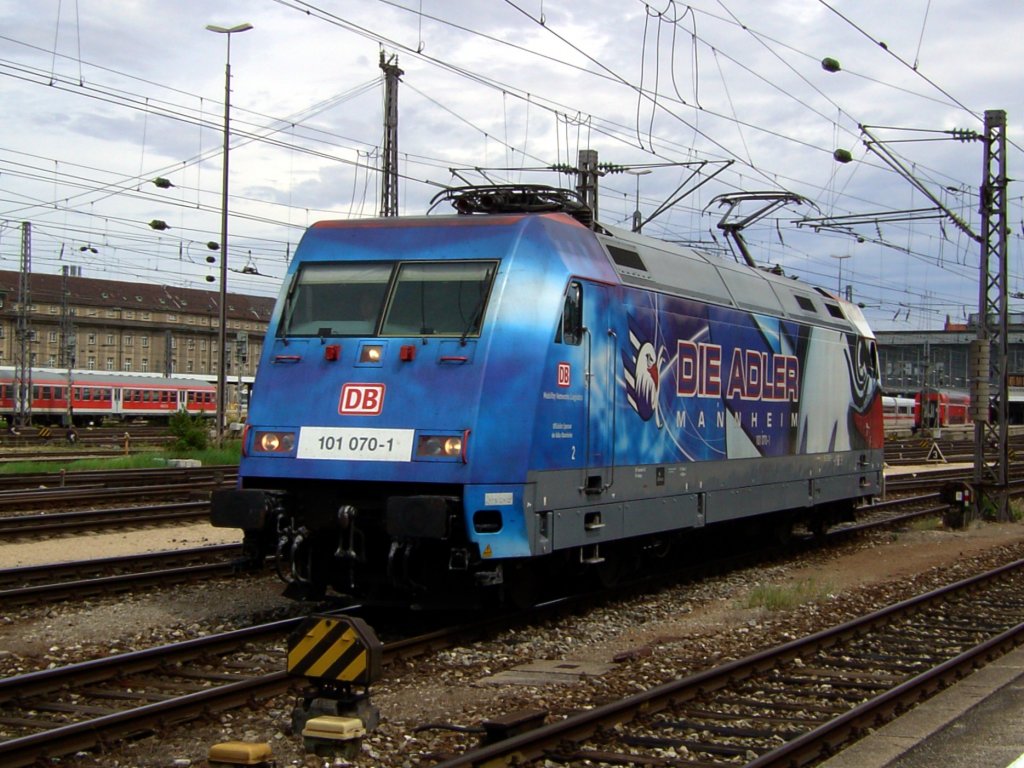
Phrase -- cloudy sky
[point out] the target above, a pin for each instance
(101, 98)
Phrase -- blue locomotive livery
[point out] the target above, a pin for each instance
(470, 404)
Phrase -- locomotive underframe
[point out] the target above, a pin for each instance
(392, 539)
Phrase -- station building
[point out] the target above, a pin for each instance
(132, 327)
(940, 359)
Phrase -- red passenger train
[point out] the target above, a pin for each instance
(100, 394)
(942, 408)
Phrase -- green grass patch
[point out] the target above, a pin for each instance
(1016, 508)
(775, 597)
(926, 524)
(229, 454)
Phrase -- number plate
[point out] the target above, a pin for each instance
(341, 444)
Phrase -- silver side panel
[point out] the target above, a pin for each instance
(651, 499)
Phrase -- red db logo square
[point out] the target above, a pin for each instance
(564, 374)
(361, 399)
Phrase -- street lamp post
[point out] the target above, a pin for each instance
(222, 309)
(638, 172)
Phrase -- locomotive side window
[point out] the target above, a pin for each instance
(570, 329)
(336, 300)
(445, 298)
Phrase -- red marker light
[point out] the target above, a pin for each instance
(332, 352)
(407, 352)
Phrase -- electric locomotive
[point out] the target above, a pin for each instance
(461, 405)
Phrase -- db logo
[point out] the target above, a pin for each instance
(361, 399)
(564, 374)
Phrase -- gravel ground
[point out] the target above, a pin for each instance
(644, 642)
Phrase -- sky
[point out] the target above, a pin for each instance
(102, 98)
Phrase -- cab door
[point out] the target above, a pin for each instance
(600, 346)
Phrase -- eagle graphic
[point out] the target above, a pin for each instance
(642, 372)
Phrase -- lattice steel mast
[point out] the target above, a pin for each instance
(23, 334)
(389, 180)
(989, 367)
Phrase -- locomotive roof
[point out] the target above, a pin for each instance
(658, 265)
(653, 264)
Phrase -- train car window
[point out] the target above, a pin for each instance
(626, 258)
(444, 298)
(336, 300)
(805, 303)
(834, 310)
(570, 329)
(47, 393)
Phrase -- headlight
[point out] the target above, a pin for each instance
(439, 446)
(273, 442)
(371, 353)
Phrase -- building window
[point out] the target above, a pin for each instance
(191, 345)
(174, 343)
(52, 361)
(129, 340)
(92, 312)
(189, 366)
(202, 344)
(145, 365)
(53, 309)
(129, 314)
(110, 363)
(53, 337)
(128, 364)
(145, 341)
(172, 318)
(91, 363)
(145, 315)
(91, 338)
(110, 339)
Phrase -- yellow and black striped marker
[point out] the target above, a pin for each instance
(335, 649)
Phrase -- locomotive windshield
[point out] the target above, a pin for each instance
(439, 298)
(417, 298)
(336, 300)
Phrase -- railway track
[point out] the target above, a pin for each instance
(958, 449)
(797, 703)
(55, 582)
(66, 709)
(120, 478)
(176, 494)
(35, 526)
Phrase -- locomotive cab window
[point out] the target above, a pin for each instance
(444, 298)
(336, 300)
(570, 329)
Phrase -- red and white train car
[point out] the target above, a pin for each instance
(898, 416)
(108, 394)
